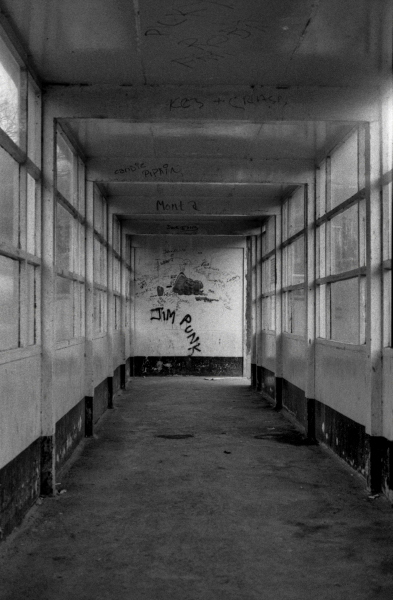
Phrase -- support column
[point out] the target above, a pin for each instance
(258, 320)
(310, 298)
(111, 309)
(48, 299)
(278, 298)
(251, 295)
(89, 305)
(374, 337)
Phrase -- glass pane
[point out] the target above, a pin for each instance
(345, 311)
(344, 241)
(64, 227)
(97, 261)
(296, 212)
(271, 234)
(9, 198)
(33, 111)
(321, 251)
(116, 235)
(98, 212)
(31, 309)
(321, 189)
(387, 308)
(82, 244)
(321, 311)
(96, 311)
(295, 264)
(9, 303)
(104, 265)
(81, 188)
(99, 311)
(266, 312)
(9, 93)
(362, 233)
(285, 221)
(31, 214)
(116, 275)
(117, 312)
(298, 312)
(64, 309)
(78, 248)
(285, 312)
(64, 166)
(82, 309)
(344, 171)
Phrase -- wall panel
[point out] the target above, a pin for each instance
(20, 423)
(69, 378)
(340, 379)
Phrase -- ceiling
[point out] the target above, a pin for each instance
(213, 175)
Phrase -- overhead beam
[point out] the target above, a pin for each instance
(199, 170)
(195, 206)
(244, 103)
(190, 227)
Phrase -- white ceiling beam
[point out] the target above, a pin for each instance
(218, 170)
(220, 103)
(190, 227)
(193, 207)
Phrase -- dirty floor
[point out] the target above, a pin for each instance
(197, 489)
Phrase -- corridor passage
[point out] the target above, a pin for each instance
(196, 488)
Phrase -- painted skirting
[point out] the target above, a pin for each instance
(188, 365)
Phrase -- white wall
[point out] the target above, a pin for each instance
(268, 350)
(20, 424)
(294, 360)
(69, 377)
(387, 394)
(215, 315)
(340, 379)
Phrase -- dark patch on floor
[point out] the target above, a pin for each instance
(175, 436)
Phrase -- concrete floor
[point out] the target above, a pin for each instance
(219, 515)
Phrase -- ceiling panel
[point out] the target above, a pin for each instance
(284, 42)
(298, 140)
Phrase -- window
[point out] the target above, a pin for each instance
(20, 263)
(269, 274)
(100, 269)
(293, 263)
(70, 241)
(340, 243)
(10, 101)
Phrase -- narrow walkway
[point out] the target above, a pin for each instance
(238, 510)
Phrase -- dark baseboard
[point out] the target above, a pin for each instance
(70, 430)
(19, 487)
(267, 382)
(253, 375)
(188, 365)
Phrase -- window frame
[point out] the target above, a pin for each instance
(323, 222)
(29, 300)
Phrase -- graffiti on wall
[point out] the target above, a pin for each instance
(188, 299)
(160, 314)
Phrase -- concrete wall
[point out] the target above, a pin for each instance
(340, 379)
(268, 350)
(387, 394)
(294, 360)
(169, 308)
(20, 421)
(69, 377)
